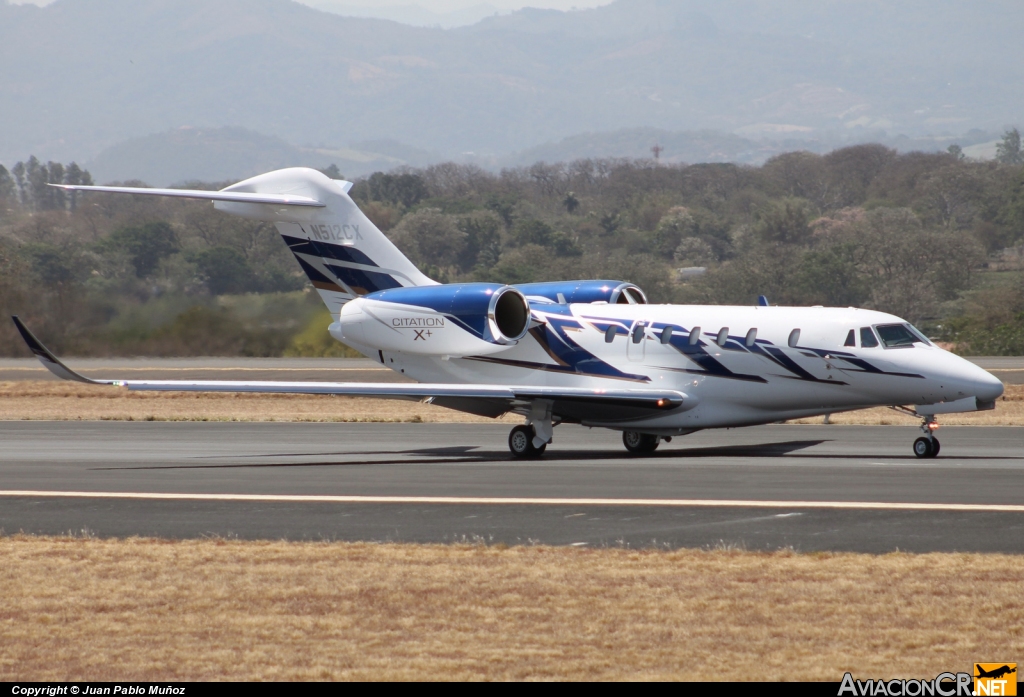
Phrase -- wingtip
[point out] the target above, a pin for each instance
(33, 343)
(46, 357)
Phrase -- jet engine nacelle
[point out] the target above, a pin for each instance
(463, 319)
(611, 292)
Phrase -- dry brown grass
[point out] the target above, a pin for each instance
(87, 609)
(70, 401)
(64, 401)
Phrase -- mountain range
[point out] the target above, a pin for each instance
(78, 77)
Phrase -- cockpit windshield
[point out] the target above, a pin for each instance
(899, 335)
(917, 332)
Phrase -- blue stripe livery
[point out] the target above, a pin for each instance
(466, 304)
(571, 291)
(326, 250)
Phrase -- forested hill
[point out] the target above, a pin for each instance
(80, 75)
(935, 238)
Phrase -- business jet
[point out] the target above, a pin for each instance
(593, 352)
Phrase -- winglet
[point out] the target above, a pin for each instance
(762, 301)
(49, 361)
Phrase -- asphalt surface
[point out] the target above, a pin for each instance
(757, 488)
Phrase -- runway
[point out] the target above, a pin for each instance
(843, 488)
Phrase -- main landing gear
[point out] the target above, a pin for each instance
(532, 438)
(640, 443)
(520, 442)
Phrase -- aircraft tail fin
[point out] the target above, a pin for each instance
(341, 251)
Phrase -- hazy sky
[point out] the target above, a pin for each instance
(436, 5)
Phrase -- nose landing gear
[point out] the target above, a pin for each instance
(928, 445)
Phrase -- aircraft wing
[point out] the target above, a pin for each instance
(233, 196)
(632, 399)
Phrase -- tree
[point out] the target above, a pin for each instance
(910, 268)
(7, 187)
(146, 245)
(37, 177)
(850, 172)
(956, 152)
(18, 171)
(504, 206)
(333, 172)
(680, 223)
(571, 203)
(831, 276)
(786, 221)
(1009, 151)
(693, 251)
(54, 198)
(483, 240)
(431, 238)
(225, 271)
(532, 231)
(401, 189)
(1012, 214)
(76, 176)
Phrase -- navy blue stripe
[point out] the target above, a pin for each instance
(572, 357)
(698, 354)
(363, 282)
(318, 279)
(326, 250)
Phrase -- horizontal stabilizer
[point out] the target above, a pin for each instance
(233, 196)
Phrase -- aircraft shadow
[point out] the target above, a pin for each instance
(462, 455)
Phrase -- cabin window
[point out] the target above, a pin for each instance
(638, 333)
(867, 338)
(850, 339)
(897, 336)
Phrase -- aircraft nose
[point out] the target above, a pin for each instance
(987, 387)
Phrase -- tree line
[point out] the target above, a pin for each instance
(936, 238)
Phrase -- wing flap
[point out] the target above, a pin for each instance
(653, 398)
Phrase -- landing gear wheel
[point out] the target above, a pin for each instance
(520, 442)
(926, 447)
(636, 442)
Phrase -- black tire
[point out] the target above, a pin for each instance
(520, 443)
(923, 448)
(935, 447)
(639, 443)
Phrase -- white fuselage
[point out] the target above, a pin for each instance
(734, 385)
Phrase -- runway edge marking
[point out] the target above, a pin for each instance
(677, 503)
